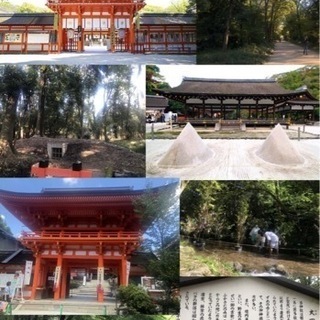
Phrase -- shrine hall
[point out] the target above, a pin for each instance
(104, 25)
(95, 230)
(220, 102)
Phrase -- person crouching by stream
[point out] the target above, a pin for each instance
(271, 241)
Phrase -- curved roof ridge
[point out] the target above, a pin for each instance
(229, 80)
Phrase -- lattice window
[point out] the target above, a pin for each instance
(56, 153)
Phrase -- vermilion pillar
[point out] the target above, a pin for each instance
(112, 31)
(60, 33)
(131, 32)
(36, 277)
(123, 272)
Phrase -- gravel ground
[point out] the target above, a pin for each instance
(236, 160)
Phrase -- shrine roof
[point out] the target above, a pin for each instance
(21, 19)
(282, 281)
(47, 19)
(79, 206)
(72, 197)
(16, 257)
(166, 19)
(230, 87)
(156, 101)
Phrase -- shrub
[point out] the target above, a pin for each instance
(136, 299)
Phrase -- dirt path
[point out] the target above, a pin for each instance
(288, 53)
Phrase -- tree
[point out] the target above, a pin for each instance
(286, 207)
(11, 79)
(4, 226)
(154, 80)
(178, 6)
(160, 215)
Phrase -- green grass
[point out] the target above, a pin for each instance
(192, 259)
(248, 55)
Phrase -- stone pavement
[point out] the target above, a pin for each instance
(96, 58)
(289, 53)
(76, 305)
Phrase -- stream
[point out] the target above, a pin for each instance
(255, 263)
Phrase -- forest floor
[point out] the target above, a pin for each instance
(289, 53)
(101, 157)
(219, 262)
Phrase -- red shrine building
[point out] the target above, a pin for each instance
(96, 230)
(115, 25)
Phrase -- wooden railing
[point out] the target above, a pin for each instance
(80, 235)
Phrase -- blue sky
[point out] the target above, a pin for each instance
(34, 185)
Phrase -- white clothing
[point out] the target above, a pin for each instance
(273, 240)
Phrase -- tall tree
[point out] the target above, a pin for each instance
(11, 79)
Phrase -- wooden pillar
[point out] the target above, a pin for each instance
(57, 278)
(238, 113)
(36, 276)
(100, 279)
(203, 108)
(257, 103)
(273, 111)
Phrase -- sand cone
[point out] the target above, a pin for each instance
(187, 150)
(278, 149)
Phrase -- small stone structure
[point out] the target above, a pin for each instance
(54, 145)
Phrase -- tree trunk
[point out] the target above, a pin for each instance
(40, 116)
(8, 126)
(227, 26)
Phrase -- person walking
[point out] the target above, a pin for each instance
(254, 235)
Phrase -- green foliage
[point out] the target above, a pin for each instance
(136, 299)
(192, 259)
(30, 8)
(303, 21)
(159, 215)
(308, 76)
(176, 6)
(237, 24)
(60, 101)
(13, 167)
(250, 54)
(4, 226)
(154, 80)
(290, 208)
